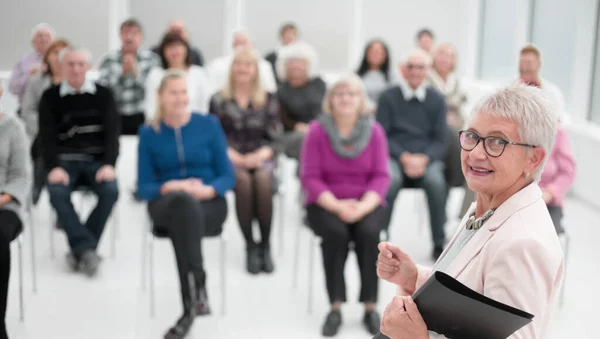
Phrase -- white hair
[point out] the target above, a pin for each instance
(531, 109)
(42, 27)
(64, 51)
(243, 31)
(297, 50)
(417, 53)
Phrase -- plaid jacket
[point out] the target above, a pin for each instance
(129, 91)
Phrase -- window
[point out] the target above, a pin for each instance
(595, 98)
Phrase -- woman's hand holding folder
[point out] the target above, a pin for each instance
(402, 320)
(395, 266)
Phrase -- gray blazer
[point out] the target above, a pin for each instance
(36, 86)
(15, 163)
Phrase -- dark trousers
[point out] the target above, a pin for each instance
(436, 189)
(131, 123)
(186, 221)
(10, 228)
(336, 236)
(83, 236)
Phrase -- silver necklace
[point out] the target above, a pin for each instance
(476, 223)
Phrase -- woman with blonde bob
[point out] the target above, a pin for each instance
(184, 173)
(344, 174)
(250, 118)
(506, 247)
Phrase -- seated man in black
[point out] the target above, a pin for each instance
(79, 128)
(414, 118)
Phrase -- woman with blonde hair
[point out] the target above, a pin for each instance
(184, 173)
(344, 173)
(249, 116)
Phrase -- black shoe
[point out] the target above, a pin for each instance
(253, 261)
(332, 323)
(89, 263)
(437, 251)
(181, 328)
(372, 321)
(267, 260)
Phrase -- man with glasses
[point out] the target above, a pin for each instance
(414, 118)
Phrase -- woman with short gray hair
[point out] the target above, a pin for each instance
(15, 182)
(506, 247)
(300, 94)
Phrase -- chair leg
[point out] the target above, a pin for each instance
(145, 259)
(311, 255)
(564, 284)
(20, 258)
(280, 221)
(151, 269)
(223, 275)
(32, 240)
(297, 256)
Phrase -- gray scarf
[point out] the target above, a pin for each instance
(355, 143)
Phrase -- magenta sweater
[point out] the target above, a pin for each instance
(323, 170)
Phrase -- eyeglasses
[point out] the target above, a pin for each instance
(410, 67)
(493, 146)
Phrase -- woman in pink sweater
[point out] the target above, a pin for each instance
(345, 176)
(558, 177)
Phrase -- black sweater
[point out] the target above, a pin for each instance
(82, 127)
(300, 104)
(413, 126)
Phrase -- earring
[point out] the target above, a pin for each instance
(526, 175)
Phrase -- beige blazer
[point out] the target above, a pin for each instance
(515, 258)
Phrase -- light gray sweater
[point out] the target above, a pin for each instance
(36, 86)
(15, 164)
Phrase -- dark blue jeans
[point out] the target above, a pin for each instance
(83, 236)
(435, 187)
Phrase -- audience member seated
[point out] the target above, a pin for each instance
(15, 181)
(218, 69)
(530, 65)
(79, 130)
(178, 27)
(32, 63)
(375, 70)
(125, 72)
(413, 116)
(300, 94)
(184, 173)
(288, 33)
(443, 78)
(426, 40)
(345, 175)
(250, 118)
(36, 86)
(175, 54)
(557, 177)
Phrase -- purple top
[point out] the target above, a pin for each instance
(324, 170)
(20, 74)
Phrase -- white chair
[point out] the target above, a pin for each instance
(148, 258)
(280, 195)
(30, 229)
(86, 193)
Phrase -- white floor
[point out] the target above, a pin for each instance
(114, 306)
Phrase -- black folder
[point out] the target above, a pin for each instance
(457, 312)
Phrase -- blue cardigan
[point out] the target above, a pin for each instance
(196, 150)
